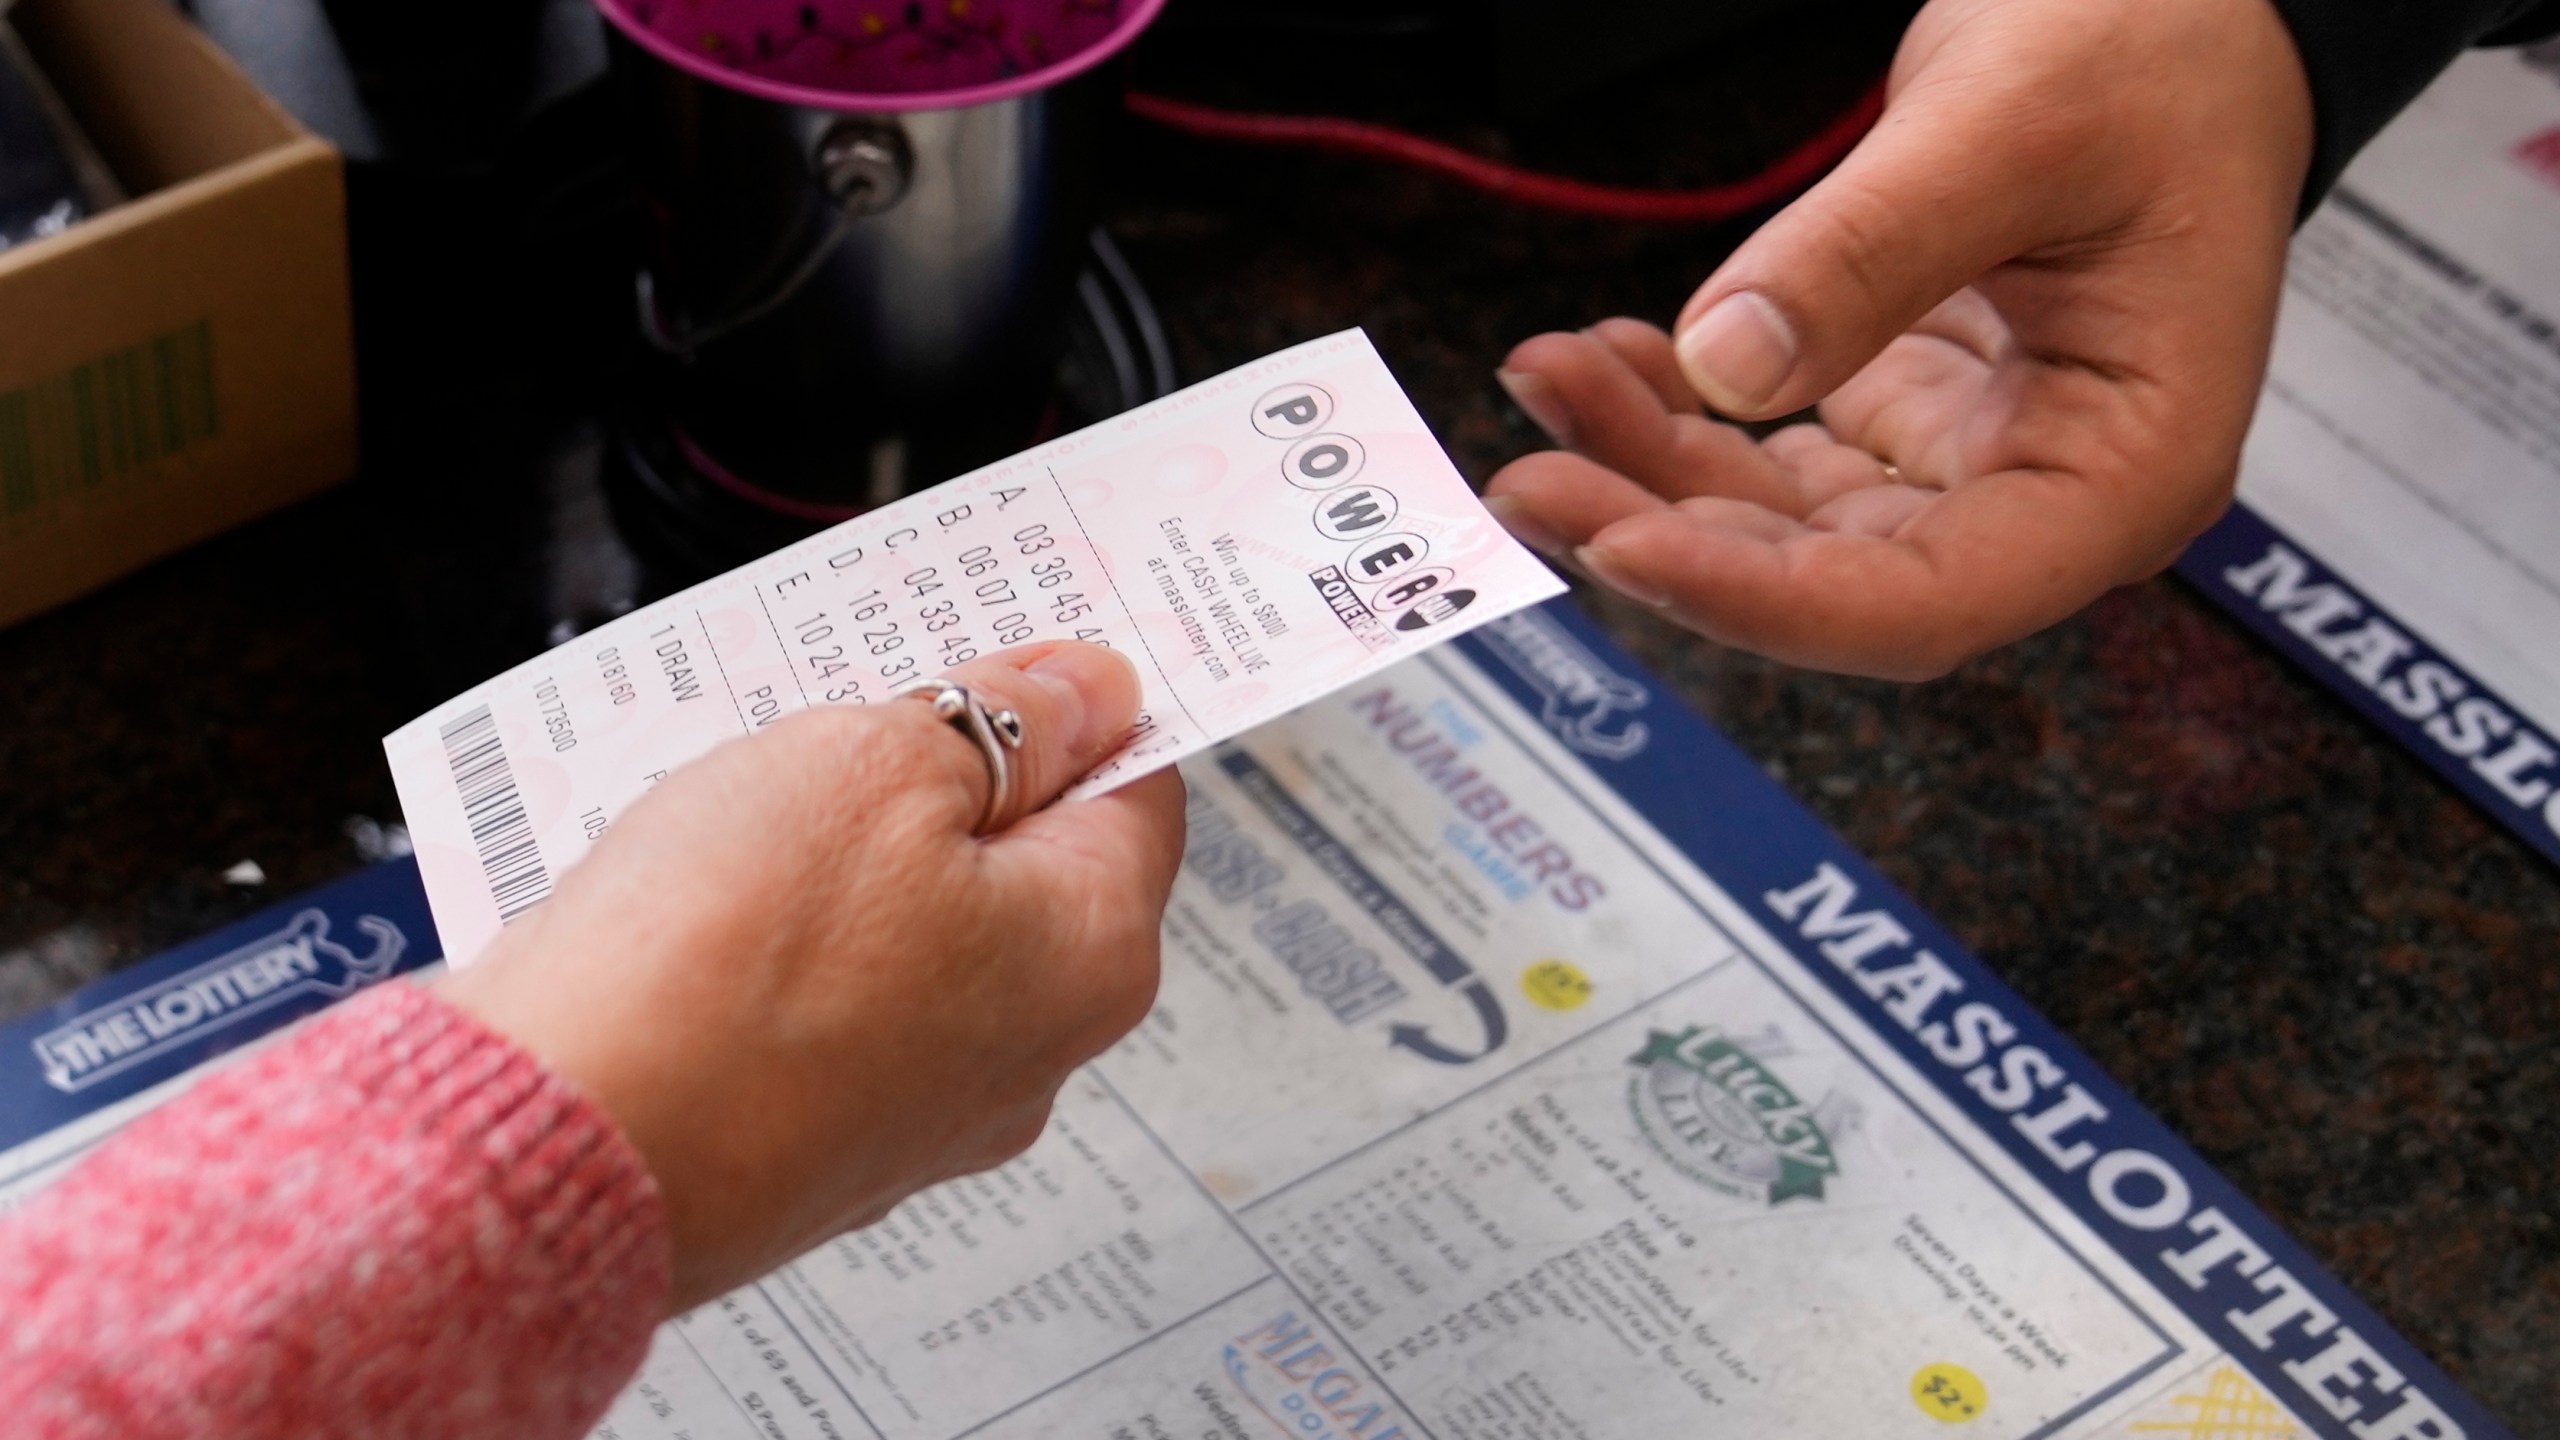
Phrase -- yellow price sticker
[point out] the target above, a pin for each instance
(1949, 1392)
(1555, 985)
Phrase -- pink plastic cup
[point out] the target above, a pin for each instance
(870, 56)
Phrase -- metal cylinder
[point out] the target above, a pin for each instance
(847, 305)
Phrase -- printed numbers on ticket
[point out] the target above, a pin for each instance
(1251, 543)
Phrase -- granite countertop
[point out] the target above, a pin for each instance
(2278, 930)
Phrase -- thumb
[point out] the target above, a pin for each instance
(1960, 175)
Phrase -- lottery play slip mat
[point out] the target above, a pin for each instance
(1526, 1064)
(2400, 493)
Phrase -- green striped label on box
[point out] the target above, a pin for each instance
(105, 422)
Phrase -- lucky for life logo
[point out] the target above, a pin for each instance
(1713, 1108)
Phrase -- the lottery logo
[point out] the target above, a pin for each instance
(1382, 580)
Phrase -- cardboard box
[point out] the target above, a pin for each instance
(185, 360)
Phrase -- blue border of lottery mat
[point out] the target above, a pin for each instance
(154, 1021)
(2462, 728)
(2140, 1188)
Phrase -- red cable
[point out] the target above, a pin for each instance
(1790, 173)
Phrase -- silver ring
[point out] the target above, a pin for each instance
(996, 733)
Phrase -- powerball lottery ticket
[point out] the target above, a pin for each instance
(1252, 543)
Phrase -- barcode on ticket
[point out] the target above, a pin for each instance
(492, 807)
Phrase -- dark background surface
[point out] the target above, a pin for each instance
(2313, 960)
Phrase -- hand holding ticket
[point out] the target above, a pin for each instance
(1251, 543)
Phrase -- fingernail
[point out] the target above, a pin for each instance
(1738, 353)
(1539, 399)
(1096, 693)
(1524, 527)
(1600, 565)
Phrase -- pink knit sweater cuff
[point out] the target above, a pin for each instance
(566, 1174)
(396, 1223)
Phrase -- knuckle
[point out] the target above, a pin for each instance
(1131, 991)
(1855, 232)
(1119, 959)
(1019, 1131)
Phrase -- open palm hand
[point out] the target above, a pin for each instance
(2033, 309)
